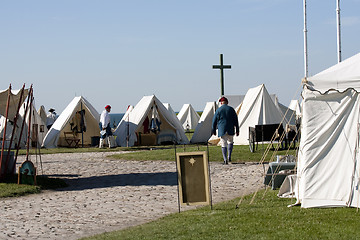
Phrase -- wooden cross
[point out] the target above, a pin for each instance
(221, 67)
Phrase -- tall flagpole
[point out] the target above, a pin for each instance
(306, 71)
(338, 29)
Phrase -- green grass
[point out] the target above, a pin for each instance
(71, 150)
(240, 153)
(15, 190)
(10, 188)
(268, 217)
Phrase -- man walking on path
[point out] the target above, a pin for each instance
(105, 128)
(226, 121)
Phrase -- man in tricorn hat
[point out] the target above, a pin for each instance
(50, 118)
(105, 129)
(226, 121)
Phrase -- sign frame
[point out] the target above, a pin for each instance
(193, 178)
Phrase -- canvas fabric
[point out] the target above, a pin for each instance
(257, 108)
(14, 101)
(188, 117)
(61, 124)
(328, 172)
(328, 161)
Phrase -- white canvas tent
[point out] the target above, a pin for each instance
(42, 113)
(188, 117)
(38, 129)
(70, 121)
(202, 131)
(124, 119)
(257, 108)
(126, 115)
(328, 162)
(135, 128)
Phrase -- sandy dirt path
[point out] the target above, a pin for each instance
(105, 195)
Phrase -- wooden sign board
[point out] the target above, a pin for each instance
(193, 178)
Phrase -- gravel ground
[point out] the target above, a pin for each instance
(105, 195)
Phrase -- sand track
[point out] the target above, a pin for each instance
(106, 195)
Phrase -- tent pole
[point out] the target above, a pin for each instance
(29, 126)
(306, 71)
(23, 123)
(82, 128)
(4, 134)
(338, 30)
(128, 128)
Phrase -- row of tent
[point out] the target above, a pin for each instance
(81, 118)
(257, 107)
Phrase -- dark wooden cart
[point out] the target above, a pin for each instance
(265, 133)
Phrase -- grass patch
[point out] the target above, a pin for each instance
(15, 190)
(267, 218)
(10, 188)
(72, 150)
(241, 153)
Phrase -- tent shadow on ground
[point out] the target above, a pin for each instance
(130, 179)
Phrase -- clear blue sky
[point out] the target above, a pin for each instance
(116, 52)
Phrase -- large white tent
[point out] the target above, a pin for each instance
(70, 120)
(328, 162)
(202, 131)
(257, 108)
(135, 128)
(38, 128)
(42, 113)
(188, 117)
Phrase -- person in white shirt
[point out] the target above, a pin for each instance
(50, 118)
(105, 128)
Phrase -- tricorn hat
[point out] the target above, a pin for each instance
(223, 99)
